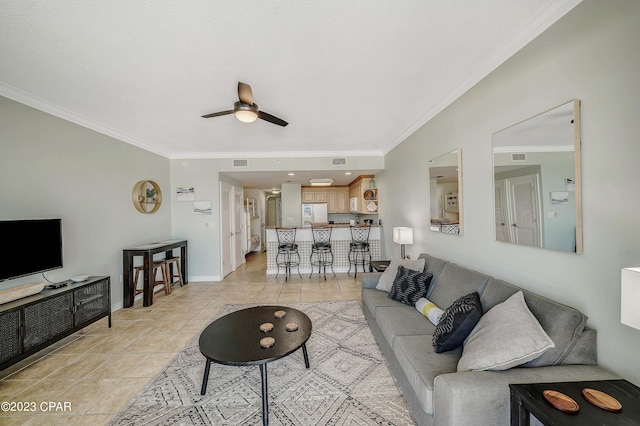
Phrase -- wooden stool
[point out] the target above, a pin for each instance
(170, 275)
(159, 264)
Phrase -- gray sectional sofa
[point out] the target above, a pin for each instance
(439, 395)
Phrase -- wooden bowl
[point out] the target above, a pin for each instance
(561, 401)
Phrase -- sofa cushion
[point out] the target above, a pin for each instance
(409, 286)
(457, 322)
(421, 365)
(373, 299)
(432, 265)
(404, 321)
(563, 324)
(454, 282)
(505, 337)
(389, 275)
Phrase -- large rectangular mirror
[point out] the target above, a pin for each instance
(537, 181)
(445, 186)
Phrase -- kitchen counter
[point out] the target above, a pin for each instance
(332, 225)
(340, 239)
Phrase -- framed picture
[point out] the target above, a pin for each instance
(570, 184)
(185, 193)
(559, 198)
(202, 207)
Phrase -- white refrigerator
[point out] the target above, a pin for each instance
(314, 213)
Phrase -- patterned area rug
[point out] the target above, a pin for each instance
(348, 382)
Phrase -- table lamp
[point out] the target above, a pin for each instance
(402, 235)
(630, 297)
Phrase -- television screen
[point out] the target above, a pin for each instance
(34, 246)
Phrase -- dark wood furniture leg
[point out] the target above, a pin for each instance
(129, 287)
(205, 379)
(148, 280)
(265, 401)
(306, 355)
(183, 262)
(519, 415)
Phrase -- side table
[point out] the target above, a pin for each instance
(527, 399)
(379, 265)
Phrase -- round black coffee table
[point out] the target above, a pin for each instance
(234, 339)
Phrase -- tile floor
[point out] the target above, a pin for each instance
(98, 370)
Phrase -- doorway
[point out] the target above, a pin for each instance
(518, 210)
(231, 227)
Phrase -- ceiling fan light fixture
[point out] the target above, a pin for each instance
(320, 182)
(246, 113)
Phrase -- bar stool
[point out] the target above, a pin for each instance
(359, 247)
(287, 249)
(169, 264)
(321, 248)
(157, 265)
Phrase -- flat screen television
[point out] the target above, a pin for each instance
(34, 246)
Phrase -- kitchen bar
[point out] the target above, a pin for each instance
(340, 239)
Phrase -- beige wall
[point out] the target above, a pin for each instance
(50, 167)
(591, 54)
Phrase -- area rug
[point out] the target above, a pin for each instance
(348, 382)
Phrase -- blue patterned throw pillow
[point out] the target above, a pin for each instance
(409, 285)
(456, 322)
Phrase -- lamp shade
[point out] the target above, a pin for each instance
(403, 235)
(630, 297)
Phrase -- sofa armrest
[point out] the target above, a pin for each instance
(370, 279)
(483, 397)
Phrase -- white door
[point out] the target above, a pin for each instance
(525, 210)
(502, 227)
(238, 228)
(225, 227)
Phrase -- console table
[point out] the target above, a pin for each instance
(147, 251)
(32, 323)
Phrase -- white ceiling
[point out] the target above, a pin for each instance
(351, 77)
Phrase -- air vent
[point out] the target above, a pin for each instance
(338, 161)
(519, 156)
(240, 163)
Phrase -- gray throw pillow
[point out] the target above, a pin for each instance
(506, 336)
(389, 275)
(456, 323)
(409, 286)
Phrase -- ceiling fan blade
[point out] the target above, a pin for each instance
(245, 94)
(271, 119)
(218, 114)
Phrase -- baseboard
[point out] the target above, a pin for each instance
(204, 278)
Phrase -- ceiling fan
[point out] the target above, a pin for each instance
(247, 111)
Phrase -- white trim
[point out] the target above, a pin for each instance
(46, 106)
(202, 278)
(274, 154)
(554, 148)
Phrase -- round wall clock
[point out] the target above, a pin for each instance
(146, 196)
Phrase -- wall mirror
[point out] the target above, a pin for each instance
(537, 181)
(445, 187)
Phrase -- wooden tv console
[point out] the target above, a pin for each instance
(32, 323)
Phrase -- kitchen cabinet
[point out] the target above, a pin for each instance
(337, 198)
(314, 196)
(366, 197)
(342, 201)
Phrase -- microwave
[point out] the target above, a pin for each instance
(353, 204)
